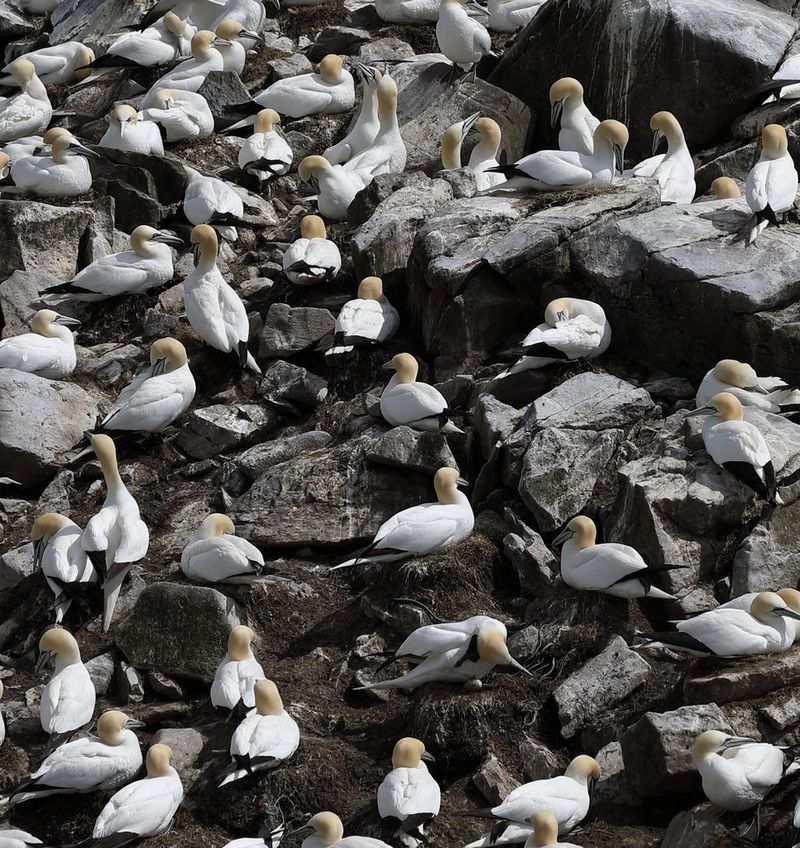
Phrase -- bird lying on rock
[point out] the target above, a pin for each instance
(337, 185)
(49, 351)
(29, 111)
(58, 64)
(208, 200)
(127, 131)
(368, 320)
(183, 115)
(214, 554)
(770, 394)
(64, 173)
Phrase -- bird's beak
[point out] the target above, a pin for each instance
(468, 124)
(555, 112)
(276, 3)
(703, 410)
(736, 742)
(134, 723)
(306, 828)
(221, 42)
(196, 253)
(561, 316)
(66, 321)
(80, 150)
(44, 658)
(367, 71)
(787, 613)
(38, 552)
(462, 482)
(759, 390)
(428, 758)
(562, 537)
(167, 237)
(158, 367)
(619, 158)
(519, 666)
(253, 36)
(657, 136)
(387, 366)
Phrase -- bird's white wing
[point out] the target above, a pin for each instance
(575, 337)
(323, 256)
(609, 563)
(555, 794)
(16, 111)
(436, 638)
(233, 315)
(762, 763)
(140, 807)
(413, 401)
(755, 187)
(211, 561)
(736, 441)
(555, 168)
(729, 632)
(419, 530)
(29, 352)
(95, 536)
(154, 402)
(135, 539)
(113, 275)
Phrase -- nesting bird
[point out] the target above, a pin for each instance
(49, 351)
(234, 682)
(313, 258)
(57, 64)
(11, 838)
(463, 40)
(28, 112)
(364, 130)
(230, 47)
(387, 154)
(190, 74)
(265, 738)
(771, 185)
(265, 154)
(569, 112)
(790, 596)
(183, 114)
(64, 173)
(126, 131)
(214, 554)
(208, 200)
(337, 185)
(770, 394)
(408, 11)
(406, 402)
(673, 170)
(366, 321)
(423, 529)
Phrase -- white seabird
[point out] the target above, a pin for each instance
(208, 200)
(49, 351)
(231, 49)
(739, 447)
(329, 92)
(387, 154)
(511, 15)
(366, 321)
(771, 185)
(143, 808)
(89, 764)
(423, 529)
(609, 567)
(770, 394)
(572, 329)
(68, 698)
(2, 731)
(146, 265)
(408, 794)
(577, 123)
(673, 170)
(251, 14)
(28, 112)
(156, 397)
(725, 188)
(451, 652)
(366, 127)
(58, 64)
(337, 185)
(312, 258)
(190, 74)
(214, 554)
(483, 156)
(790, 596)
(327, 831)
(265, 154)
(463, 40)
(213, 308)
(64, 173)
(236, 676)
(557, 170)
(545, 832)
(265, 738)
(408, 11)
(10, 838)
(126, 131)
(183, 114)
(57, 551)
(406, 402)
(116, 537)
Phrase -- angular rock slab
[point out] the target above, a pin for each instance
(91, 21)
(718, 52)
(178, 630)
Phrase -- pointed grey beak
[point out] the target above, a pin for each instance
(134, 723)
(519, 666)
(196, 253)
(555, 112)
(306, 828)
(167, 237)
(44, 658)
(619, 158)
(737, 742)
(158, 367)
(66, 321)
(759, 390)
(562, 537)
(469, 123)
(561, 316)
(462, 482)
(367, 71)
(387, 366)
(787, 613)
(253, 36)
(276, 3)
(38, 552)
(221, 42)
(703, 410)
(657, 136)
(79, 150)
(428, 758)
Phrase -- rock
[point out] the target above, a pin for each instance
(389, 48)
(55, 497)
(290, 66)
(289, 330)
(383, 186)
(598, 685)
(187, 744)
(341, 40)
(611, 792)
(129, 686)
(402, 447)
(178, 630)
(160, 177)
(18, 292)
(101, 670)
(560, 470)
(16, 565)
(157, 324)
(92, 102)
(538, 761)
(92, 21)
(493, 781)
(13, 25)
(657, 749)
(731, 46)
(165, 687)
(215, 429)
(284, 382)
(462, 182)
(701, 828)
(106, 363)
(495, 421)
(223, 89)
(39, 421)
(525, 644)
(531, 559)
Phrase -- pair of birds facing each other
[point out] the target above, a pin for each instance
(483, 156)
(313, 258)
(48, 351)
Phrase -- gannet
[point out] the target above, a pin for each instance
(771, 394)
(58, 553)
(214, 554)
(232, 51)
(165, 42)
(557, 170)
(208, 200)
(368, 320)
(337, 186)
(406, 402)
(577, 123)
(213, 308)
(451, 652)
(363, 132)
(312, 258)
(116, 537)
(10, 838)
(268, 837)
(265, 738)
(771, 185)
(68, 698)
(545, 832)
(387, 153)
(251, 14)
(608, 567)
(56, 65)
(183, 114)
(567, 797)
(236, 676)
(190, 74)
(673, 170)
(327, 831)
(49, 351)
(202, 13)
(29, 145)
(731, 632)
(423, 529)
(725, 188)
(483, 156)
(572, 329)
(143, 808)
(64, 173)
(463, 40)
(265, 154)
(791, 596)
(329, 92)
(408, 794)
(5, 165)
(511, 15)
(89, 764)
(789, 70)
(2, 732)
(408, 11)
(146, 265)
(127, 132)
(156, 397)
(739, 447)
(28, 112)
